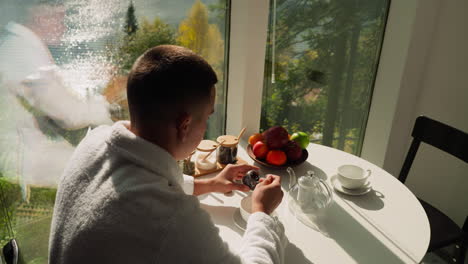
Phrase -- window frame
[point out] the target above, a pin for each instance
(246, 71)
(247, 46)
(389, 80)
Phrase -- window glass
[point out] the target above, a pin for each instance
(320, 68)
(63, 70)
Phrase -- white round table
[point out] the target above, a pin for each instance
(386, 225)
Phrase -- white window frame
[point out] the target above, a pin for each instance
(247, 45)
(249, 27)
(389, 79)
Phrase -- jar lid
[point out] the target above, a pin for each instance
(229, 140)
(207, 145)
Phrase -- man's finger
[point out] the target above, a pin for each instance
(268, 179)
(276, 179)
(261, 181)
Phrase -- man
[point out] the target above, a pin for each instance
(122, 199)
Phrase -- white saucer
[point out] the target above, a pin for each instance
(238, 220)
(361, 191)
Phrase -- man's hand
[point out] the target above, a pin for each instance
(224, 181)
(267, 195)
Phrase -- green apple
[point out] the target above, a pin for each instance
(301, 138)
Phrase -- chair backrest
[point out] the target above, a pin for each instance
(436, 134)
(10, 252)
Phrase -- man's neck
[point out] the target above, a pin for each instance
(158, 138)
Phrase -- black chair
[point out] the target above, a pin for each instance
(10, 252)
(444, 231)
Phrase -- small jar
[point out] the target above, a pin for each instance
(206, 147)
(227, 151)
(187, 165)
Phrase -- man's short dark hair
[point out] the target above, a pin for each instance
(166, 80)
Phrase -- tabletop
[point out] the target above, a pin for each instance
(386, 225)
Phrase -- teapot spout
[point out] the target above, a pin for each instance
(292, 177)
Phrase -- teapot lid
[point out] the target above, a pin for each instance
(307, 182)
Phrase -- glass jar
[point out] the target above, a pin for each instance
(187, 165)
(227, 151)
(206, 148)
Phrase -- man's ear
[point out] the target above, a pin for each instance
(183, 122)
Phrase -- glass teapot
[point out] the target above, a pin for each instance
(308, 193)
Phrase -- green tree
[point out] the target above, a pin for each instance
(150, 34)
(131, 23)
(203, 38)
(344, 38)
(218, 14)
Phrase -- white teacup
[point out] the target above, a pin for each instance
(246, 207)
(353, 177)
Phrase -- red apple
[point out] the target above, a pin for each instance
(293, 151)
(260, 150)
(276, 157)
(276, 137)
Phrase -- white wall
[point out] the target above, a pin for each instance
(434, 83)
(389, 79)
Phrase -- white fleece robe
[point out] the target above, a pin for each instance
(121, 200)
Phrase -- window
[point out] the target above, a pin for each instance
(320, 68)
(63, 68)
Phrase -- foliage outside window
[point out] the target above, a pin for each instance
(63, 68)
(320, 68)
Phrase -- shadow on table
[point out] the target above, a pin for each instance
(222, 215)
(299, 170)
(307, 166)
(356, 240)
(293, 254)
(373, 200)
